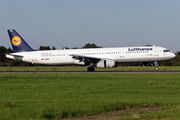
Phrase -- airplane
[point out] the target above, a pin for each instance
(94, 57)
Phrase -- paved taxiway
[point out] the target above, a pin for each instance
(95, 72)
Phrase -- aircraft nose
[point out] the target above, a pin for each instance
(172, 55)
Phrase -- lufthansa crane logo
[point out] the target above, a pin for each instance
(16, 40)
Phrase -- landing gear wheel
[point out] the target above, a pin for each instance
(90, 69)
(156, 68)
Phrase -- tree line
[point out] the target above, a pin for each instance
(8, 62)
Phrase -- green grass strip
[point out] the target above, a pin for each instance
(84, 68)
(55, 96)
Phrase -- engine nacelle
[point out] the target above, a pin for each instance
(106, 64)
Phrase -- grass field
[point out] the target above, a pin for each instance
(84, 68)
(57, 96)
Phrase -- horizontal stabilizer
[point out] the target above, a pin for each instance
(15, 57)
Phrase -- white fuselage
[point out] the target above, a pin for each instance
(119, 54)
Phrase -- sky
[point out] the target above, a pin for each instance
(106, 23)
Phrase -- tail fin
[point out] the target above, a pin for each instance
(17, 42)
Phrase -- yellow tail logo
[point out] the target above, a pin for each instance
(16, 40)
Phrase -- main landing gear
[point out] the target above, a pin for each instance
(90, 69)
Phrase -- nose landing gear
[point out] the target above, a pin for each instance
(156, 66)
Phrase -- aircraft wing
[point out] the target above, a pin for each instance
(85, 58)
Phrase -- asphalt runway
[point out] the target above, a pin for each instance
(95, 72)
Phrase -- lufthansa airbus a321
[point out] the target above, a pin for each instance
(97, 57)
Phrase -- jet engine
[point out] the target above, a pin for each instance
(106, 64)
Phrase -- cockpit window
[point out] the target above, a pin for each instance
(166, 50)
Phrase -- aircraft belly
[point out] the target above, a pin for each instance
(143, 59)
(56, 61)
(138, 59)
(134, 60)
